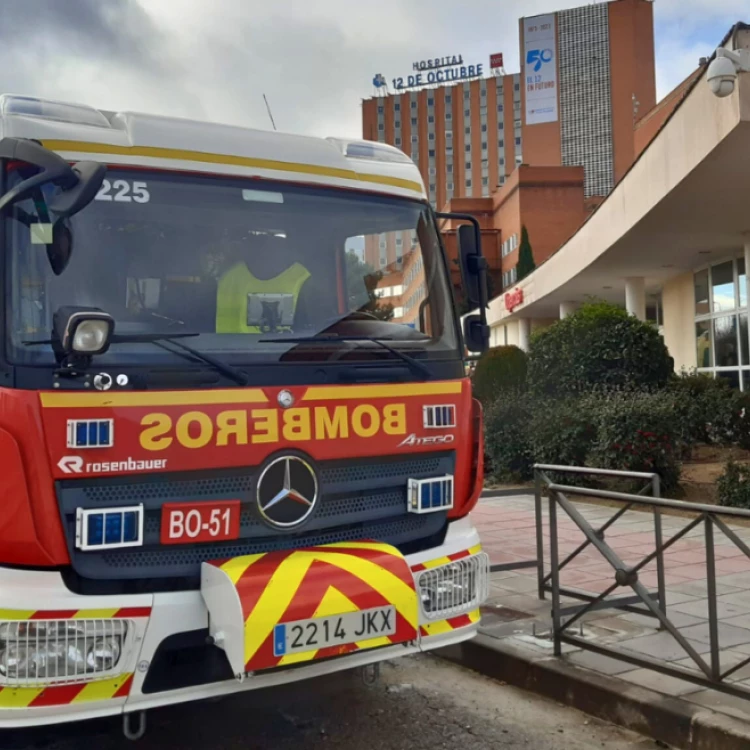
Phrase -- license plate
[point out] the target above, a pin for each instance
(337, 630)
(187, 523)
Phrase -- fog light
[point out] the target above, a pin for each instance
(90, 336)
(454, 588)
(84, 330)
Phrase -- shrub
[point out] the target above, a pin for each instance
(562, 432)
(499, 371)
(635, 432)
(506, 435)
(734, 486)
(600, 344)
(740, 422)
(708, 408)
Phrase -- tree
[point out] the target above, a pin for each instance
(361, 283)
(525, 257)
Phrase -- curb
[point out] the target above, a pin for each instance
(671, 721)
(508, 493)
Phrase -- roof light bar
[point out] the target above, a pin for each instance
(29, 106)
(371, 151)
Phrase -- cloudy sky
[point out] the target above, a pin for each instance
(314, 59)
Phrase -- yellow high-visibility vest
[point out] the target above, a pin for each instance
(235, 285)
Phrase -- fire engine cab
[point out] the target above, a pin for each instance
(229, 460)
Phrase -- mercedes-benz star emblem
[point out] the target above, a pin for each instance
(287, 491)
(286, 399)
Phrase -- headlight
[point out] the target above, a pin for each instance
(450, 586)
(59, 650)
(454, 588)
(103, 654)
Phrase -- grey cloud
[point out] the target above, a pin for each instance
(55, 48)
(118, 29)
(315, 59)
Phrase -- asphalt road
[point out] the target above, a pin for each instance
(420, 703)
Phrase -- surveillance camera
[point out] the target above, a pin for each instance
(721, 76)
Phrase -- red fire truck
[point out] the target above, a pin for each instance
(228, 460)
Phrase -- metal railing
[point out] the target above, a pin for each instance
(525, 564)
(653, 604)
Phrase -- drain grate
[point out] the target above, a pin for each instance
(503, 614)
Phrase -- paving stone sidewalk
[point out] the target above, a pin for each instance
(514, 611)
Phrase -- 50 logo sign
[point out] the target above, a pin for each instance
(538, 57)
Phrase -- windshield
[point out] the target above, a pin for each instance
(242, 263)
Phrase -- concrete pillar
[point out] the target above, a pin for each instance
(635, 296)
(746, 245)
(524, 332)
(567, 308)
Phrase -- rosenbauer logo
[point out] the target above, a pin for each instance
(76, 465)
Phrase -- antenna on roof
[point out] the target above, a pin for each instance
(268, 107)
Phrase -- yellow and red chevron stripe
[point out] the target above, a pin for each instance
(447, 559)
(64, 695)
(451, 624)
(124, 613)
(332, 579)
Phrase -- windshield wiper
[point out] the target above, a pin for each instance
(414, 365)
(233, 373)
(228, 370)
(127, 338)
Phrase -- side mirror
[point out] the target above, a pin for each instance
(79, 184)
(476, 334)
(473, 265)
(61, 247)
(90, 176)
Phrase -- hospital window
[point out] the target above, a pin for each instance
(721, 325)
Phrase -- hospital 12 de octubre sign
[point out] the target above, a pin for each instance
(438, 70)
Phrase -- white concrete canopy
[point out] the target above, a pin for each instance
(685, 201)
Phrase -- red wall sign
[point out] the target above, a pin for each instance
(496, 60)
(513, 299)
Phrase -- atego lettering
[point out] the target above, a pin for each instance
(413, 440)
(196, 429)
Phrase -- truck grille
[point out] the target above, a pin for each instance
(362, 500)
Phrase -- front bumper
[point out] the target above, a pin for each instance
(156, 619)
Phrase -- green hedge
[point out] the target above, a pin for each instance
(507, 433)
(561, 431)
(613, 429)
(636, 432)
(734, 486)
(600, 344)
(598, 389)
(499, 371)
